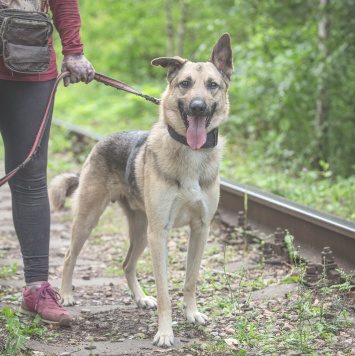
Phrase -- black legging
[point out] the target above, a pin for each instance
(22, 106)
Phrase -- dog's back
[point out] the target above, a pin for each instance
(116, 154)
(111, 162)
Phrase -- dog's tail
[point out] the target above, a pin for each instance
(62, 186)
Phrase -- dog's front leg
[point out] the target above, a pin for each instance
(197, 243)
(157, 239)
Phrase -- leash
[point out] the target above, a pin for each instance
(99, 78)
(123, 86)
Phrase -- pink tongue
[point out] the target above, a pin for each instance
(196, 134)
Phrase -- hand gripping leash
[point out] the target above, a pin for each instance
(98, 77)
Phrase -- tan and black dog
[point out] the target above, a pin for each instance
(164, 178)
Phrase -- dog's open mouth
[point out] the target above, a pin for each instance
(196, 134)
(196, 128)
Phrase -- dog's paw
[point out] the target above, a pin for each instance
(164, 339)
(67, 300)
(147, 302)
(196, 318)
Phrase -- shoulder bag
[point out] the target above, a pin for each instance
(24, 39)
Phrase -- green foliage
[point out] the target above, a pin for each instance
(18, 332)
(320, 189)
(8, 271)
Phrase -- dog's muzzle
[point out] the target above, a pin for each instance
(196, 117)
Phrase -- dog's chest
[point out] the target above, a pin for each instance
(190, 170)
(190, 191)
(191, 203)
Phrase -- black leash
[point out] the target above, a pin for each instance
(98, 77)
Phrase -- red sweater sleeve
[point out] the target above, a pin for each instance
(66, 19)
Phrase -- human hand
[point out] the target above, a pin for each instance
(81, 70)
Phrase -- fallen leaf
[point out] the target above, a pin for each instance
(232, 343)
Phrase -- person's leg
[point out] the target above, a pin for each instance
(22, 107)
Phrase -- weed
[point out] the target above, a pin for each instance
(3, 253)
(320, 313)
(307, 316)
(113, 271)
(293, 253)
(18, 332)
(290, 279)
(8, 271)
(219, 347)
(346, 286)
(236, 303)
(257, 283)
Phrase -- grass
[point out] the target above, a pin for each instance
(8, 271)
(112, 225)
(317, 189)
(309, 316)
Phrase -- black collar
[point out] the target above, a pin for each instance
(212, 137)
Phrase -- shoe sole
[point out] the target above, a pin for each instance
(62, 322)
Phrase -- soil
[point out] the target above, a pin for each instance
(106, 320)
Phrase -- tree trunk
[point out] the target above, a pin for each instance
(323, 101)
(169, 29)
(181, 31)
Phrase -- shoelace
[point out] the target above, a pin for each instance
(46, 290)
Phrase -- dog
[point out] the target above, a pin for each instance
(164, 178)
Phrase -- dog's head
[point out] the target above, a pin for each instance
(196, 100)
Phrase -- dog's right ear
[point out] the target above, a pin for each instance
(171, 64)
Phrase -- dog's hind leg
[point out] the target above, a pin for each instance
(137, 224)
(90, 203)
(197, 243)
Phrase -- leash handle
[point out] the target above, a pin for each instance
(98, 77)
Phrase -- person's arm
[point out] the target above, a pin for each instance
(66, 19)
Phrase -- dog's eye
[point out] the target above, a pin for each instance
(213, 85)
(185, 83)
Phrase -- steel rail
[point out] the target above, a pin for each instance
(312, 229)
(77, 130)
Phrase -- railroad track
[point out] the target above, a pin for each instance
(320, 237)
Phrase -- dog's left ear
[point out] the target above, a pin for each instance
(171, 64)
(222, 56)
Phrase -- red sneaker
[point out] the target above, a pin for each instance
(44, 300)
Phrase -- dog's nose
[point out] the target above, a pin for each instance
(198, 106)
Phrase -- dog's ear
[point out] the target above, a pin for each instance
(222, 56)
(171, 64)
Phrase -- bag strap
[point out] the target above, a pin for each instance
(44, 5)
